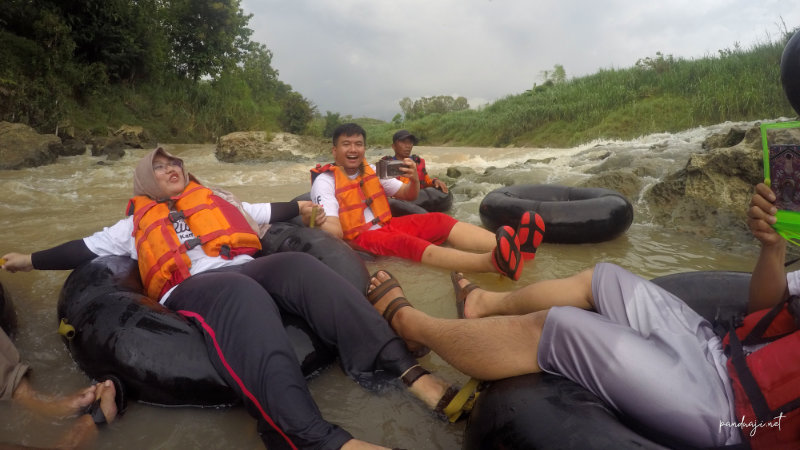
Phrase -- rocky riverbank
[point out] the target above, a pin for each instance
(709, 191)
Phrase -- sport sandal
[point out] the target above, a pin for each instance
(506, 257)
(530, 233)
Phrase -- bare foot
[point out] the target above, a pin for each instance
(84, 431)
(60, 407)
(106, 392)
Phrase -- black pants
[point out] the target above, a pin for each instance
(238, 309)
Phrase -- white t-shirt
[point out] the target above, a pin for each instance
(323, 192)
(118, 240)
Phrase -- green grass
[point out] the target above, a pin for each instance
(660, 94)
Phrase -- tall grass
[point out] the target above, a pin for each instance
(659, 94)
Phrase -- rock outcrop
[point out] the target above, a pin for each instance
(715, 186)
(21, 146)
(260, 146)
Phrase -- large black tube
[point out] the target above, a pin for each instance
(546, 411)
(333, 252)
(159, 355)
(790, 71)
(571, 215)
(8, 317)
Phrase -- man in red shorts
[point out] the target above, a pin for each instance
(357, 210)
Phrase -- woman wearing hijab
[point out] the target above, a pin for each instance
(195, 249)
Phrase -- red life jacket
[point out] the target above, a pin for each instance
(766, 382)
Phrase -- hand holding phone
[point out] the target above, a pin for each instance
(784, 174)
(389, 168)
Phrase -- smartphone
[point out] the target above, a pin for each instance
(389, 168)
(781, 149)
(784, 174)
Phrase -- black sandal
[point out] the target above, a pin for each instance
(96, 412)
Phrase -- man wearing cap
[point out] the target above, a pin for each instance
(402, 144)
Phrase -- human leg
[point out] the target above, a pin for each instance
(248, 346)
(469, 237)
(575, 290)
(337, 312)
(506, 258)
(12, 370)
(488, 349)
(84, 431)
(647, 354)
(341, 316)
(16, 387)
(667, 382)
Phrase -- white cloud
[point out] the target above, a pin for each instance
(359, 57)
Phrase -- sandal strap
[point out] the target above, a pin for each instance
(413, 375)
(469, 288)
(455, 407)
(378, 293)
(96, 413)
(393, 307)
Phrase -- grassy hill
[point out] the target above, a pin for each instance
(659, 94)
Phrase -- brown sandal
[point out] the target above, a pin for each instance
(417, 350)
(461, 292)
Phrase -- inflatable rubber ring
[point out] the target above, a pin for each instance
(159, 355)
(571, 215)
(790, 71)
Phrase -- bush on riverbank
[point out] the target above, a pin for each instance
(660, 93)
(185, 70)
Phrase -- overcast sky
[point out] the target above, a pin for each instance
(360, 57)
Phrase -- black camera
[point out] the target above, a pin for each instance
(389, 168)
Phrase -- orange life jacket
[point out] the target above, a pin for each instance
(766, 382)
(356, 195)
(216, 224)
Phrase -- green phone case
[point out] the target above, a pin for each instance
(788, 222)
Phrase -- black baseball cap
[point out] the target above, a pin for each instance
(403, 134)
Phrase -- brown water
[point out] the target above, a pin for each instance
(76, 196)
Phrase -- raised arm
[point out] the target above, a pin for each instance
(410, 190)
(768, 285)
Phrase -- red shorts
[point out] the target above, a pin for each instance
(407, 236)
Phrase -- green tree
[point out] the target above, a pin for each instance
(206, 36)
(332, 120)
(296, 113)
(432, 105)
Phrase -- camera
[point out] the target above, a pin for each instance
(389, 168)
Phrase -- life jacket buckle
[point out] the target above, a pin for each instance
(192, 243)
(175, 216)
(368, 201)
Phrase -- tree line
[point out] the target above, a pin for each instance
(190, 61)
